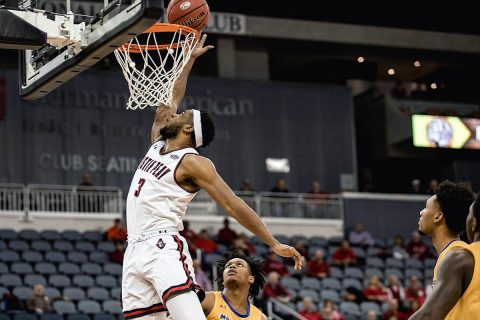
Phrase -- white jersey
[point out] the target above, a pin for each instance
(155, 199)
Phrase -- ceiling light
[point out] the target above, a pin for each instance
(433, 86)
(416, 64)
(391, 71)
(360, 59)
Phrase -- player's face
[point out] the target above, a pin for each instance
(175, 123)
(426, 223)
(237, 271)
(471, 225)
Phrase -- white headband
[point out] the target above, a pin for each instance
(197, 128)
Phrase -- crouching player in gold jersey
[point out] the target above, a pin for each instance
(455, 295)
(240, 278)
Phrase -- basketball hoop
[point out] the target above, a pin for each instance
(152, 61)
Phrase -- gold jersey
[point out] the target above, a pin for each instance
(223, 311)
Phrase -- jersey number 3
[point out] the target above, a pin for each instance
(141, 182)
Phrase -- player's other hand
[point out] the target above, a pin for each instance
(200, 48)
(284, 250)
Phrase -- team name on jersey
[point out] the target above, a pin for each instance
(224, 317)
(155, 168)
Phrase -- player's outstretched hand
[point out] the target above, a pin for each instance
(200, 48)
(289, 252)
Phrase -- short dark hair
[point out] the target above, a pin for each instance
(208, 129)
(476, 209)
(256, 269)
(454, 200)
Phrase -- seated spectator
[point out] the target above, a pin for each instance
(309, 311)
(280, 187)
(344, 256)
(392, 310)
(201, 277)
(39, 302)
(226, 235)
(240, 247)
(395, 289)
(117, 232)
(375, 292)
(188, 233)
(318, 267)
(372, 315)
(247, 186)
(330, 312)
(432, 185)
(416, 187)
(248, 243)
(116, 255)
(11, 303)
(205, 243)
(353, 294)
(415, 291)
(414, 306)
(359, 236)
(274, 289)
(274, 263)
(398, 250)
(416, 248)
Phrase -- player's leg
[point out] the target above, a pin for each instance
(185, 306)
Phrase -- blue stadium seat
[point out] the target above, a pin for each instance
(290, 283)
(97, 293)
(77, 257)
(367, 306)
(29, 234)
(4, 268)
(103, 316)
(282, 238)
(359, 252)
(3, 245)
(69, 268)
(99, 256)
(52, 293)
(18, 245)
(375, 262)
(4, 316)
(8, 234)
(330, 295)
(71, 235)
(413, 272)
(413, 263)
(106, 246)
(74, 294)
(3, 290)
(50, 316)
(335, 241)
(23, 293)
(83, 281)
(373, 251)
(84, 246)
(428, 273)
(310, 283)
(352, 282)
(430, 263)
(91, 269)
(353, 272)
(63, 246)
(113, 307)
(349, 308)
(25, 316)
(92, 236)
(64, 307)
(21, 268)
(295, 238)
(373, 271)
(260, 250)
(55, 257)
(318, 242)
(59, 281)
(331, 284)
(336, 273)
(10, 280)
(309, 293)
(116, 293)
(380, 243)
(50, 235)
(32, 256)
(33, 279)
(78, 316)
(393, 271)
(41, 245)
(113, 269)
(45, 268)
(89, 306)
(394, 263)
(9, 256)
(106, 281)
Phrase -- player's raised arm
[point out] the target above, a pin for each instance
(202, 172)
(164, 111)
(454, 276)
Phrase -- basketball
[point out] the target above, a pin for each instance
(190, 13)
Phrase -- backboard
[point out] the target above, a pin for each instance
(54, 48)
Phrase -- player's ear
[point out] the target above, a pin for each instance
(251, 279)
(188, 128)
(438, 216)
(474, 224)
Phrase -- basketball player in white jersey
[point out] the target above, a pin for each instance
(157, 271)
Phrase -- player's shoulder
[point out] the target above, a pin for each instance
(458, 258)
(195, 161)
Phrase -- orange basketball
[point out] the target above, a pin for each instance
(190, 13)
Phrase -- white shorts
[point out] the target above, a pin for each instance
(156, 267)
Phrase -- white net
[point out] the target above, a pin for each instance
(152, 66)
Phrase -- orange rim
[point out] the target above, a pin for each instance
(159, 28)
